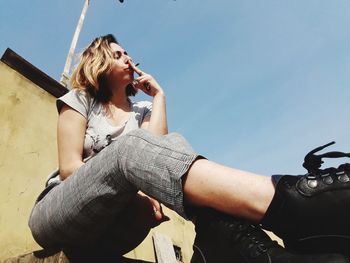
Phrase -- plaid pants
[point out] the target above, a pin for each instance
(88, 203)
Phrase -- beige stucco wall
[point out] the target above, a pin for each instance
(27, 155)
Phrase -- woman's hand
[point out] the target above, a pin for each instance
(146, 82)
(135, 223)
(157, 123)
(157, 208)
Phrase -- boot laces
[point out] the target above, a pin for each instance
(252, 237)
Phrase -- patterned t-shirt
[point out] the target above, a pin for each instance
(99, 132)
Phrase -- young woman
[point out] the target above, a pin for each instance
(114, 152)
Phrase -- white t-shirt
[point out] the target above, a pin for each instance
(99, 132)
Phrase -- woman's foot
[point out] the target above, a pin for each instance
(311, 213)
(225, 239)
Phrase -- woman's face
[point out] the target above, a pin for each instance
(121, 71)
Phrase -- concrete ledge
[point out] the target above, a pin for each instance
(30, 258)
(60, 257)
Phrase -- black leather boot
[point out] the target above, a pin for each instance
(225, 239)
(311, 213)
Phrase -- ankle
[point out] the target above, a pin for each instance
(265, 203)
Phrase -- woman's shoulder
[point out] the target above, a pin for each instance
(77, 93)
(77, 99)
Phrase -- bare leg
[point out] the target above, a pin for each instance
(228, 190)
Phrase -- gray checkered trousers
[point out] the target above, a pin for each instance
(87, 203)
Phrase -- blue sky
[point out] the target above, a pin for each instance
(250, 84)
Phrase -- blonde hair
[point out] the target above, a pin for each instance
(94, 63)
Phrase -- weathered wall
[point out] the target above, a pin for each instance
(27, 155)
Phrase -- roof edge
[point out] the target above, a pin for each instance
(22, 66)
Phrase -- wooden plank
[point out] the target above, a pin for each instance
(164, 249)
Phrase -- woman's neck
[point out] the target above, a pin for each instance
(119, 99)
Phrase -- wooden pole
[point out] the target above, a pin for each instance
(65, 74)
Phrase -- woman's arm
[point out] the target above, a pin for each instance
(157, 123)
(70, 140)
